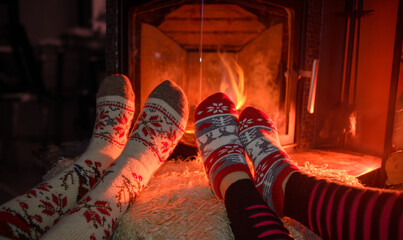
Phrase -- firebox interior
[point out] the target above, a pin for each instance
(244, 51)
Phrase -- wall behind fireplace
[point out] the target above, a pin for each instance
(69, 55)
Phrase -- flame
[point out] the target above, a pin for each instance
(353, 124)
(235, 89)
(234, 86)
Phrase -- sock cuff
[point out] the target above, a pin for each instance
(277, 192)
(271, 182)
(224, 172)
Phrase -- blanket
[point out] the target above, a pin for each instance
(179, 204)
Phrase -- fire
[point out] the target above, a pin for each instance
(353, 123)
(234, 86)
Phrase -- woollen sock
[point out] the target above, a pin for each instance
(217, 139)
(157, 131)
(249, 215)
(339, 211)
(30, 215)
(272, 165)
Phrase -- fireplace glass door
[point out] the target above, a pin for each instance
(241, 48)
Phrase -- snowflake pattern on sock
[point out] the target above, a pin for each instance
(158, 128)
(113, 121)
(32, 214)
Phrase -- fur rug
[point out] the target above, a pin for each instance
(178, 204)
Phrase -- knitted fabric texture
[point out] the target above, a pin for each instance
(33, 213)
(156, 133)
(217, 139)
(259, 136)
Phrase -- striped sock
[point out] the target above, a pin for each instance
(250, 217)
(217, 139)
(272, 165)
(30, 215)
(336, 211)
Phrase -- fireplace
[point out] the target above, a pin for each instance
(246, 49)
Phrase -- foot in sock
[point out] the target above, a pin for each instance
(33, 213)
(228, 172)
(272, 165)
(157, 131)
(218, 141)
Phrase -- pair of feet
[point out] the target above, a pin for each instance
(91, 195)
(223, 139)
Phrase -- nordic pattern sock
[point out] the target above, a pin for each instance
(157, 131)
(217, 139)
(272, 165)
(33, 213)
(249, 215)
(336, 211)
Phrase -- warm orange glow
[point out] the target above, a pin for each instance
(367, 170)
(234, 87)
(353, 123)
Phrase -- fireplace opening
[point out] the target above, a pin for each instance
(243, 49)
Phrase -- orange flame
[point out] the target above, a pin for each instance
(353, 124)
(235, 89)
(234, 86)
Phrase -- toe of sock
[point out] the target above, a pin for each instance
(173, 95)
(218, 103)
(116, 85)
(257, 116)
(252, 111)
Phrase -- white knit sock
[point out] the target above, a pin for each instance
(33, 213)
(157, 131)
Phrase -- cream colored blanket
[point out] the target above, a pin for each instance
(178, 204)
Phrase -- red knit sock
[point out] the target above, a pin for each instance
(217, 138)
(260, 138)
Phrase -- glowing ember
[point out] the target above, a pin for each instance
(234, 85)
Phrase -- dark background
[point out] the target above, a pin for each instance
(52, 59)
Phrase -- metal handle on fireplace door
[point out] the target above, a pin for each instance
(313, 75)
(312, 89)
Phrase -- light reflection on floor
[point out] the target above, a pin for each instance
(354, 164)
